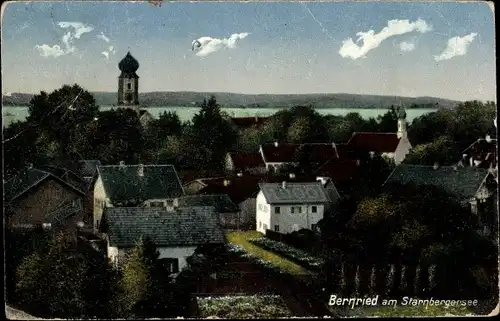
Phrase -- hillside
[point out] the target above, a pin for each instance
(184, 98)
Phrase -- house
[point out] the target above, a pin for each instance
(36, 198)
(341, 172)
(176, 232)
(247, 122)
(482, 153)
(239, 162)
(393, 146)
(229, 212)
(313, 154)
(135, 185)
(145, 117)
(476, 188)
(287, 207)
(243, 190)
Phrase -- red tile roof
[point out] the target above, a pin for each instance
(340, 171)
(316, 152)
(242, 160)
(376, 142)
(244, 122)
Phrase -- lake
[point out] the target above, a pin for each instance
(187, 113)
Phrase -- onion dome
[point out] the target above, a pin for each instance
(128, 64)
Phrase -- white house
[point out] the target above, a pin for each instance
(176, 232)
(135, 185)
(287, 207)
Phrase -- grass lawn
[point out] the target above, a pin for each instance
(241, 238)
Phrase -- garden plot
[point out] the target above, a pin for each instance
(243, 307)
(301, 257)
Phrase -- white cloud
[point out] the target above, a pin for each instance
(406, 46)
(372, 40)
(457, 46)
(103, 37)
(67, 39)
(208, 45)
(108, 52)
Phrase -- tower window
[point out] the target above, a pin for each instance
(129, 86)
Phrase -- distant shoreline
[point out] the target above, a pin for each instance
(239, 107)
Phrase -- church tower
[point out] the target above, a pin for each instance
(128, 83)
(401, 122)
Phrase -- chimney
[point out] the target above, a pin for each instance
(239, 174)
(284, 184)
(256, 119)
(291, 175)
(471, 161)
(227, 182)
(436, 166)
(122, 164)
(488, 138)
(275, 144)
(140, 170)
(477, 162)
(30, 165)
(464, 156)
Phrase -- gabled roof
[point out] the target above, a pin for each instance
(340, 171)
(286, 153)
(374, 142)
(29, 178)
(123, 184)
(189, 226)
(242, 160)
(69, 176)
(244, 122)
(460, 181)
(221, 202)
(144, 112)
(294, 193)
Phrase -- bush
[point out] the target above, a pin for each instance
(289, 252)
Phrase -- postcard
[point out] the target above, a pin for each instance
(249, 159)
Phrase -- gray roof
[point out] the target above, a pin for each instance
(185, 226)
(221, 202)
(124, 185)
(294, 193)
(28, 178)
(462, 182)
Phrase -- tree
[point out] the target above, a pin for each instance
(144, 285)
(428, 127)
(387, 123)
(442, 150)
(211, 135)
(64, 281)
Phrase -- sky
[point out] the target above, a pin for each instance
(383, 48)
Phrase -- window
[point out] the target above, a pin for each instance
(170, 264)
(296, 209)
(292, 210)
(277, 210)
(276, 228)
(314, 209)
(156, 204)
(314, 227)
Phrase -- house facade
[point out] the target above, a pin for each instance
(176, 232)
(287, 207)
(36, 198)
(135, 185)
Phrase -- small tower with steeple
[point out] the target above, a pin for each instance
(401, 113)
(128, 83)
